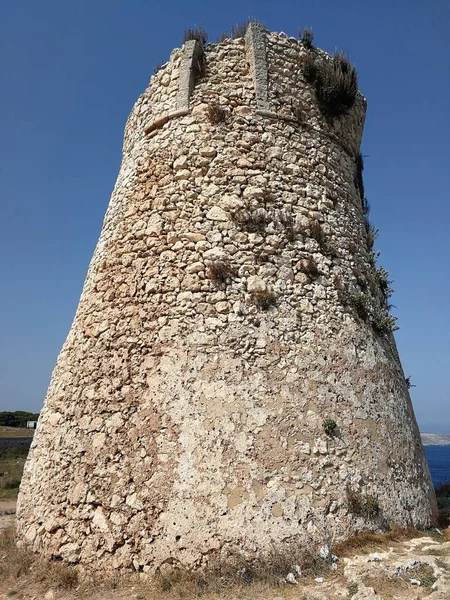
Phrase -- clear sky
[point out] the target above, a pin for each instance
(71, 71)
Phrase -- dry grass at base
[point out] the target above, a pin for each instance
(22, 572)
(20, 568)
(389, 586)
(367, 542)
(25, 576)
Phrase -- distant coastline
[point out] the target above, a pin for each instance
(435, 439)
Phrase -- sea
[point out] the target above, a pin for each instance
(439, 462)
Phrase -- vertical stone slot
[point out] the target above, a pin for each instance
(193, 56)
(255, 40)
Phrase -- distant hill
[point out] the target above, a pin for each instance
(435, 439)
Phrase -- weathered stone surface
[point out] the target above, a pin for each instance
(182, 416)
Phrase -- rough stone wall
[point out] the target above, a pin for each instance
(185, 413)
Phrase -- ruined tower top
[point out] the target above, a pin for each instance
(230, 380)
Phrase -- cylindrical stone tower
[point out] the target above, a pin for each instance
(230, 379)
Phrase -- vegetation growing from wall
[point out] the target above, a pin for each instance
(336, 86)
(362, 504)
(220, 271)
(330, 427)
(264, 300)
(196, 33)
(306, 37)
(309, 68)
(216, 114)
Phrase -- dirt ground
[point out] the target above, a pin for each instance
(9, 432)
(376, 568)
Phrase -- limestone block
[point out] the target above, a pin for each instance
(255, 284)
(216, 213)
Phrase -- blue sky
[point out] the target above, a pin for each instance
(71, 71)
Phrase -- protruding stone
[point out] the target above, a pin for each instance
(217, 214)
(208, 151)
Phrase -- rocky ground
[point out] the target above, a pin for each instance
(372, 568)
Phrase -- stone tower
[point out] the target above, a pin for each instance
(230, 379)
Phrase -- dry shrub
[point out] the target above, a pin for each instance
(196, 33)
(309, 267)
(18, 562)
(264, 299)
(14, 561)
(359, 182)
(238, 30)
(365, 205)
(306, 37)
(389, 585)
(364, 505)
(199, 65)
(251, 221)
(288, 224)
(371, 233)
(352, 246)
(337, 282)
(309, 68)
(336, 86)
(216, 114)
(299, 114)
(316, 232)
(220, 270)
(158, 67)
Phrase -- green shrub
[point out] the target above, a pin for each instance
(384, 283)
(17, 418)
(330, 427)
(383, 323)
(11, 484)
(371, 506)
(409, 385)
(360, 303)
